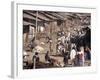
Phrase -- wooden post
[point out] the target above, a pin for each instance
(36, 24)
(34, 65)
(26, 39)
(50, 37)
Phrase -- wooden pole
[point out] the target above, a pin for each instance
(34, 63)
(50, 36)
(26, 39)
(36, 24)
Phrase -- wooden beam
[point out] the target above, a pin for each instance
(52, 14)
(48, 15)
(30, 16)
(42, 18)
(29, 20)
(34, 15)
(55, 14)
(28, 23)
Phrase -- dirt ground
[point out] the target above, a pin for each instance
(43, 62)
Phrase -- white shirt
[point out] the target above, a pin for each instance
(72, 54)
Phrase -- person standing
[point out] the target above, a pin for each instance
(47, 57)
(88, 53)
(35, 59)
(72, 56)
(65, 59)
(81, 56)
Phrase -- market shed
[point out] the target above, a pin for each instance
(44, 26)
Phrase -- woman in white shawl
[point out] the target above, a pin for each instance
(72, 55)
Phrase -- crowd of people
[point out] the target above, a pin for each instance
(73, 58)
(74, 49)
